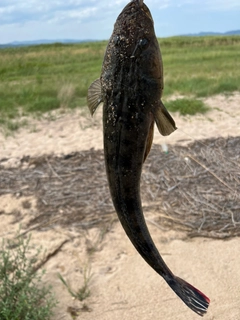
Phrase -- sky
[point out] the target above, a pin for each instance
(27, 20)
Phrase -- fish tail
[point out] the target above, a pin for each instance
(191, 296)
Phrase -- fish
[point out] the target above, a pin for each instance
(130, 88)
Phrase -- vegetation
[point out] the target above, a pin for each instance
(201, 66)
(83, 292)
(186, 106)
(37, 79)
(22, 294)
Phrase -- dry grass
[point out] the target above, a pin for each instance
(195, 189)
(66, 95)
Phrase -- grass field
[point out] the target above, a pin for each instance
(37, 79)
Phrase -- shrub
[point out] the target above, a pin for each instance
(22, 294)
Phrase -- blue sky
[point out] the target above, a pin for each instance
(22, 20)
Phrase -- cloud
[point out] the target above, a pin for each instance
(206, 5)
(15, 11)
(94, 19)
(219, 5)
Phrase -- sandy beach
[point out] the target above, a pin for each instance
(122, 285)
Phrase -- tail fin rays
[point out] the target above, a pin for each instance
(191, 296)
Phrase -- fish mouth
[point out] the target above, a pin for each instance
(140, 5)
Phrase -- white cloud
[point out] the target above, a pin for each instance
(7, 10)
(222, 4)
(95, 18)
(216, 5)
(14, 11)
(67, 15)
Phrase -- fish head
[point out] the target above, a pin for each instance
(133, 30)
(133, 42)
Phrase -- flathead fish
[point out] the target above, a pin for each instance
(130, 87)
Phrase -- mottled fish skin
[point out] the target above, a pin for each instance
(130, 88)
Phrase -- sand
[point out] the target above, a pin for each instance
(122, 285)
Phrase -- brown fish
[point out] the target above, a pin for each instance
(130, 88)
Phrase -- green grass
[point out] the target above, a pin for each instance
(38, 79)
(42, 78)
(83, 292)
(201, 66)
(22, 293)
(186, 106)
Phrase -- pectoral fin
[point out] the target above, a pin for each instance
(164, 121)
(94, 96)
(149, 140)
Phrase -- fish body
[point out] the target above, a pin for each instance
(130, 87)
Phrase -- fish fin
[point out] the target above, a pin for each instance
(192, 297)
(164, 121)
(94, 96)
(149, 140)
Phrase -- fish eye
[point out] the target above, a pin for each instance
(143, 43)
